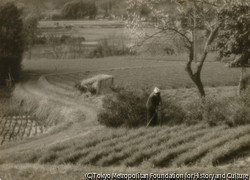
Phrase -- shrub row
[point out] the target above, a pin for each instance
(127, 108)
(111, 46)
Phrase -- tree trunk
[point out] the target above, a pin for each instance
(242, 83)
(199, 85)
(196, 78)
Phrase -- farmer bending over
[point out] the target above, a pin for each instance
(153, 102)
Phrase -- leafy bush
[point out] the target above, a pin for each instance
(241, 108)
(172, 113)
(212, 110)
(124, 108)
(127, 108)
(79, 9)
(194, 112)
(216, 111)
(56, 17)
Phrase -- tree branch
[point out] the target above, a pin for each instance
(205, 51)
(153, 35)
(182, 34)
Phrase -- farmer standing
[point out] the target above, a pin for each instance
(154, 101)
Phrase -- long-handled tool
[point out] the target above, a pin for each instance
(151, 119)
(160, 115)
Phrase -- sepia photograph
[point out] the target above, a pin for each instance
(124, 89)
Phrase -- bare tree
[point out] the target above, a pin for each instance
(192, 15)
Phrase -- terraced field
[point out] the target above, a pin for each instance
(13, 128)
(86, 144)
(176, 146)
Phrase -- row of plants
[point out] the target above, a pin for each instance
(230, 148)
(177, 144)
(201, 145)
(126, 108)
(206, 146)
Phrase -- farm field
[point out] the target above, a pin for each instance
(175, 146)
(77, 144)
(137, 73)
(84, 146)
(90, 30)
(81, 142)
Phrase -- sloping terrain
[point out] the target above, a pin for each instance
(79, 142)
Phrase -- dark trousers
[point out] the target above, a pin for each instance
(152, 114)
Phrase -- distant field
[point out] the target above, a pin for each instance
(134, 73)
(90, 30)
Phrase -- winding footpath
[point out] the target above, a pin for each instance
(81, 128)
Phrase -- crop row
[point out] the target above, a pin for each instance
(96, 148)
(163, 148)
(161, 140)
(17, 127)
(177, 145)
(91, 148)
(158, 147)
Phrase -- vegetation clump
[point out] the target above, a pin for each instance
(111, 46)
(79, 10)
(127, 108)
(124, 108)
(11, 46)
(232, 111)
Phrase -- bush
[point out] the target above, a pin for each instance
(124, 108)
(216, 111)
(194, 112)
(79, 9)
(213, 110)
(56, 17)
(128, 108)
(241, 115)
(172, 113)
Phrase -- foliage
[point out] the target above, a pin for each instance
(11, 46)
(172, 113)
(216, 111)
(242, 105)
(235, 33)
(190, 17)
(124, 108)
(30, 31)
(79, 9)
(111, 8)
(112, 46)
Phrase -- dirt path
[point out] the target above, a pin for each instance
(77, 129)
